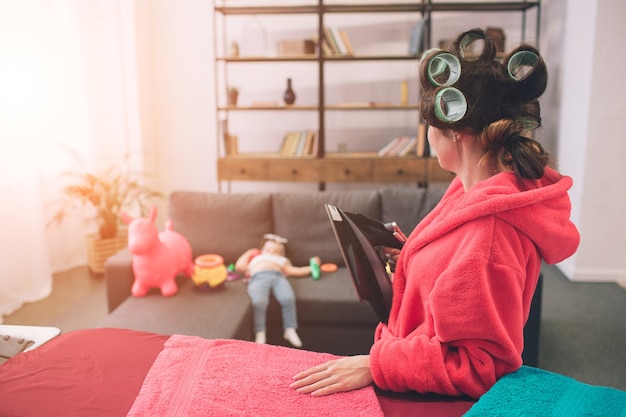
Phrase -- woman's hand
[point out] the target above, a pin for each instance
(391, 253)
(339, 375)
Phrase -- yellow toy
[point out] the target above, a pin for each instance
(209, 271)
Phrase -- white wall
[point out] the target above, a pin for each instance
(178, 91)
(585, 85)
(591, 145)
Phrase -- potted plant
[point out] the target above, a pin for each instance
(232, 93)
(100, 196)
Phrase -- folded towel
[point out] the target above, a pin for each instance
(535, 392)
(193, 376)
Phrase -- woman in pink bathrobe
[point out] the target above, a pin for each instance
(466, 276)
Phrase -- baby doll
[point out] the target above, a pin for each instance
(267, 269)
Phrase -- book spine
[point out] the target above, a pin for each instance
(301, 143)
(341, 48)
(385, 150)
(331, 41)
(347, 43)
(308, 147)
(289, 143)
(408, 147)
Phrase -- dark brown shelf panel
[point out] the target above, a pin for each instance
(330, 107)
(287, 58)
(326, 8)
(434, 6)
(250, 10)
(348, 106)
(482, 6)
(496, 6)
(270, 107)
(300, 58)
(375, 8)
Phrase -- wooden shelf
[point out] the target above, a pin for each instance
(272, 107)
(338, 107)
(374, 106)
(286, 58)
(433, 6)
(357, 167)
(313, 57)
(343, 167)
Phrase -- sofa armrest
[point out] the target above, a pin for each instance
(119, 278)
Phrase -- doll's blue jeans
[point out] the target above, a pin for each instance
(260, 286)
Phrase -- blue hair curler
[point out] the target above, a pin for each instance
(450, 105)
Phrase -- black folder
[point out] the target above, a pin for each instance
(359, 238)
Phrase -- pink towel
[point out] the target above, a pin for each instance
(193, 376)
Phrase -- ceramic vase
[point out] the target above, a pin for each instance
(290, 96)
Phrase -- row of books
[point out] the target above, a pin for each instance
(399, 146)
(405, 145)
(299, 143)
(336, 42)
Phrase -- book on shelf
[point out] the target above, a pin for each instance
(421, 146)
(399, 146)
(299, 143)
(346, 41)
(328, 37)
(326, 48)
(416, 45)
(337, 41)
(289, 142)
(341, 48)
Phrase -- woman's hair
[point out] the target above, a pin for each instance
(496, 100)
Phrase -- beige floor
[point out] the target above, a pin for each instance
(77, 301)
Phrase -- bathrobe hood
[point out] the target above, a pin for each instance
(540, 209)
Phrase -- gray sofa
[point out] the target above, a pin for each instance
(331, 317)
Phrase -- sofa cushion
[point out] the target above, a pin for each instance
(407, 206)
(218, 314)
(302, 219)
(331, 297)
(225, 224)
(330, 316)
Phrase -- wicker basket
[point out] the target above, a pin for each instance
(99, 250)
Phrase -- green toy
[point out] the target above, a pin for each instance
(315, 268)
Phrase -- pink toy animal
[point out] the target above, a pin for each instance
(157, 257)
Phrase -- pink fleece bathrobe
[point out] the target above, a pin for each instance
(464, 283)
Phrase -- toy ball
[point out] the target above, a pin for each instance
(209, 272)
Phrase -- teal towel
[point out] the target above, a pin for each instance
(534, 392)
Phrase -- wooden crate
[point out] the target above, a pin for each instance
(296, 47)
